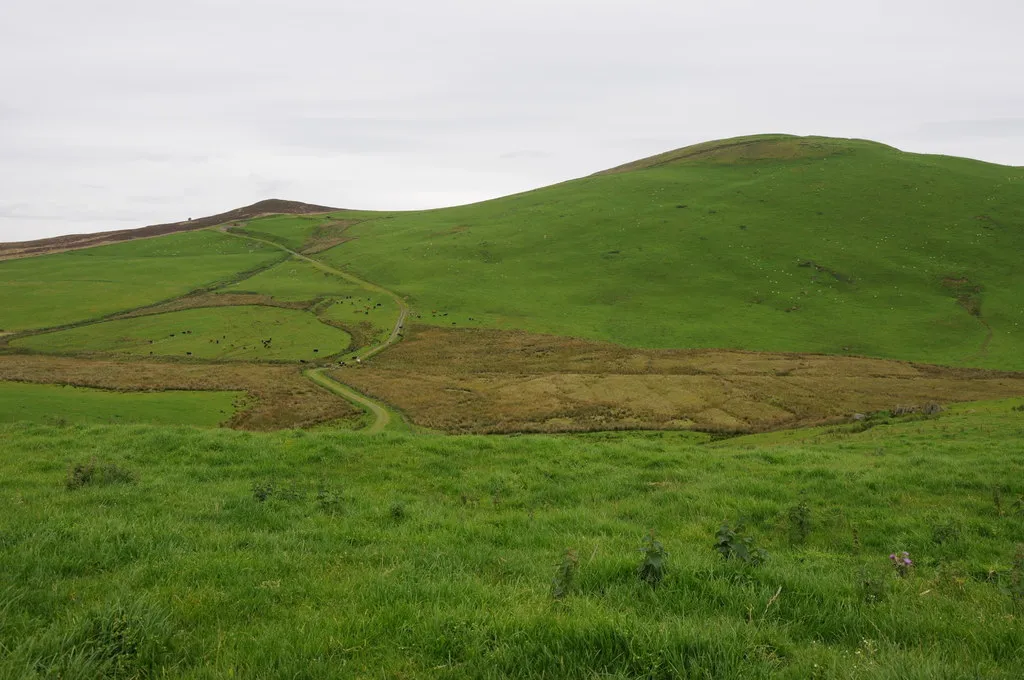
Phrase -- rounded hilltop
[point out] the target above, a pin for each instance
(754, 148)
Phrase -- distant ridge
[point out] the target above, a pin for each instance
(55, 244)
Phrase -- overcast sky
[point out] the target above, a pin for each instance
(121, 113)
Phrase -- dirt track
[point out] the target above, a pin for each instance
(378, 410)
(380, 414)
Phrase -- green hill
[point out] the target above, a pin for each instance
(762, 243)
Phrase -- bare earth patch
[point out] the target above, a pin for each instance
(473, 380)
(281, 396)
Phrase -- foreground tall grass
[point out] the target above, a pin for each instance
(214, 554)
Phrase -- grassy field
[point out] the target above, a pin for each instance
(51, 290)
(306, 233)
(52, 404)
(220, 333)
(134, 551)
(372, 315)
(775, 244)
(294, 280)
(288, 230)
(366, 314)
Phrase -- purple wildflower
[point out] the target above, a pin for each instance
(902, 562)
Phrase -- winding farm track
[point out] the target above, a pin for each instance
(381, 416)
(380, 412)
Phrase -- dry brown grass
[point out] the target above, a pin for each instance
(281, 397)
(508, 381)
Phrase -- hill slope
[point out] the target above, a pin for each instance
(773, 243)
(272, 206)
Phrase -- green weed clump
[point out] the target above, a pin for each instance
(565, 575)
(270, 489)
(732, 543)
(93, 472)
(329, 500)
(946, 533)
(397, 511)
(652, 569)
(799, 523)
(262, 491)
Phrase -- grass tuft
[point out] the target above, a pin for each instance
(96, 473)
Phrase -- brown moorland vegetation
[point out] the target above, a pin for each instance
(471, 380)
(281, 397)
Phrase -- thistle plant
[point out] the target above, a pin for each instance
(902, 563)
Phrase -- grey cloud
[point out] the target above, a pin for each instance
(96, 154)
(153, 200)
(984, 127)
(528, 154)
(24, 211)
(269, 186)
(35, 213)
